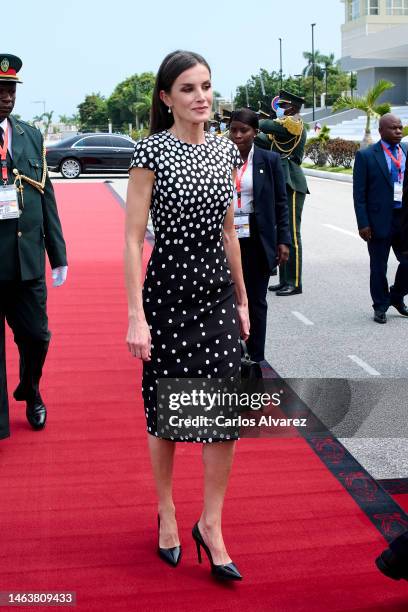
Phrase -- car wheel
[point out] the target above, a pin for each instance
(70, 168)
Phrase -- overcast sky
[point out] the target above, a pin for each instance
(76, 47)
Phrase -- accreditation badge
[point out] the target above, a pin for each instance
(9, 208)
(241, 223)
(398, 192)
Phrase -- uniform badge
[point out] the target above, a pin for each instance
(5, 64)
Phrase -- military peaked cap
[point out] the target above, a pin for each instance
(9, 67)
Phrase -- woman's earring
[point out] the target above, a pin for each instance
(169, 110)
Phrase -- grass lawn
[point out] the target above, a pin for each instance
(329, 168)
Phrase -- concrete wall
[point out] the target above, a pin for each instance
(399, 76)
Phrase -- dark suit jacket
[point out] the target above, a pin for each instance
(270, 203)
(23, 241)
(404, 214)
(373, 190)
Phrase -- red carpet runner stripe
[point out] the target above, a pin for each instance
(77, 509)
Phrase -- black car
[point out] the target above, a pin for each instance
(90, 153)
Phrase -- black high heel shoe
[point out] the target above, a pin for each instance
(172, 555)
(229, 571)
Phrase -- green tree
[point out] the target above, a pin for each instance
(45, 119)
(93, 113)
(69, 120)
(253, 90)
(367, 104)
(134, 90)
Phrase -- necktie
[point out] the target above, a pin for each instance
(394, 169)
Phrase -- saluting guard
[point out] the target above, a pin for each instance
(286, 135)
(29, 226)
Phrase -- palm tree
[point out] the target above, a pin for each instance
(142, 107)
(308, 69)
(368, 104)
(328, 66)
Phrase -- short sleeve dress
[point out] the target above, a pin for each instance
(188, 293)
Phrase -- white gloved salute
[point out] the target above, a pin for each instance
(59, 276)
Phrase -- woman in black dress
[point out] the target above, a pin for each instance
(187, 318)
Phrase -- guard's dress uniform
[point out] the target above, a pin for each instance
(287, 136)
(23, 242)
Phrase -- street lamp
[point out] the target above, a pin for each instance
(313, 71)
(280, 62)
(326, 70)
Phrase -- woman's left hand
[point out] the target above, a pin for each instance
(243, 321)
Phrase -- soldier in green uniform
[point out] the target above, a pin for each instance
(287, 136)
(29, 226)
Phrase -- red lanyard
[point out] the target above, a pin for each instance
(3, 156)
(398, 161)
(238, 181)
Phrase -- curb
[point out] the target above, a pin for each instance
(332, 176)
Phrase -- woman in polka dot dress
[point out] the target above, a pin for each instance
(186, 320)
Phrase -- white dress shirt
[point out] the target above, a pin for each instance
(247, 187)
(6, 124)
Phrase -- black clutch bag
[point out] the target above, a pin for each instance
(250, 370)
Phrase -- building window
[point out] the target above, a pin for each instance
(371, 7)
(397, 7)
(355, 9)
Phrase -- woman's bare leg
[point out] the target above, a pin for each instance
(162, 459)
(217, 459)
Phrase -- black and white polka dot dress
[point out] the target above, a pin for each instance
(188, 294)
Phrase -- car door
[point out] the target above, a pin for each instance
(95, 153)
(122, 152)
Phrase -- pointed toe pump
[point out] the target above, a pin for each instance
(229, 571)
(172, 555)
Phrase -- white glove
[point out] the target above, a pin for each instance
(59, 276)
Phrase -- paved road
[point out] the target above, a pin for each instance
(328, 332)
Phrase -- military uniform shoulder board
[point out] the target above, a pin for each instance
(294, 126)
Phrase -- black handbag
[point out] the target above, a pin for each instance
(250, 370)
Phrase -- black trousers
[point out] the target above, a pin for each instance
(290, 273)
(256, 277)
(23, 304)
(379, 251)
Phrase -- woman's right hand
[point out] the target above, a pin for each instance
(139, 339)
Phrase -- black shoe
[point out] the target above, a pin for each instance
(36, 413)
(402, 309)
(380, 316)
(172, 555)
(276, 287)
(289, 290)
(390, 565)
(228, 571)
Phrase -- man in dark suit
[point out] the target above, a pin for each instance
(377, 189)
(29, 226)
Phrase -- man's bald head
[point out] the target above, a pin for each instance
(390, 128)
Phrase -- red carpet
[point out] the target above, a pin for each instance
(77, 509)
(402, 500)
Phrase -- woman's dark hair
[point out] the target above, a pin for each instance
(171, 67)
(247, 116)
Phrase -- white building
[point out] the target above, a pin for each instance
(375, 45)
